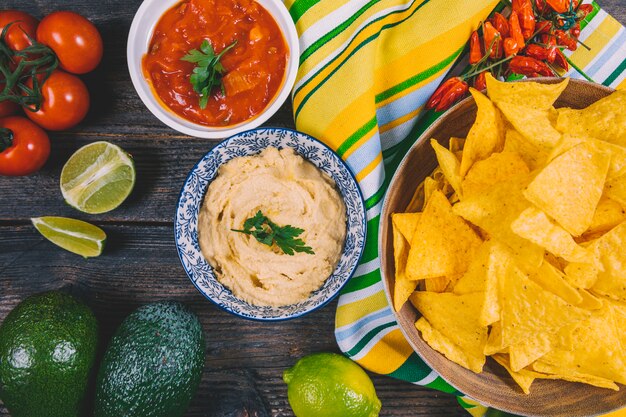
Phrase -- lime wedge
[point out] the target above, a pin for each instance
(97, 178)
(76, 236)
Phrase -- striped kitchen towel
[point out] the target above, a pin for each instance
(366, 69)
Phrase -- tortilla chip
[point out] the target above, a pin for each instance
(494, 210)
(490, 263)
(619, 315)
(590, 301)
(610, 254)
(500, 166)
(569, 199)
(524, 378)
(608, 214)
(532, 94)
(486, 135)
(433, 254)
(456, 317)
(406, 223)
(536, 345)
(441, 343)
(534, 225)
(417, 201)
(533, 124)
(526, 352)
(528, 309)
(551, 279)
(616, 189)
(582, 275)
(448, 164)
(403, 287)
(605, 119)
(456, 144)
(430, 186)
(617, 164)
(438, 284)
(597, 349)
(554, 372)
(495, 343)
(533, 155)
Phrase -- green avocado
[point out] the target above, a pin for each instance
(47, 350)
(153, 365)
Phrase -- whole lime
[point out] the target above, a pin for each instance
(330, 385)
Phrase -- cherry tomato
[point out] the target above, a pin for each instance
(18, 34)
(74, 39)
(24, 146)
(65, 102)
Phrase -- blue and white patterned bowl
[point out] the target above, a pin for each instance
(251, 143)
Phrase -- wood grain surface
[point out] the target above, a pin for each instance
(245, 359)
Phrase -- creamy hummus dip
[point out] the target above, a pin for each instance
(289, 191)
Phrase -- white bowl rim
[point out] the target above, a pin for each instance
(354, 267)
(288, 28)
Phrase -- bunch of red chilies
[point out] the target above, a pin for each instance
(529, 43)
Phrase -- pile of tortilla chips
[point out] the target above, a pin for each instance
(515, 246)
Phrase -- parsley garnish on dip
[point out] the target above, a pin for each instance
(269, 233)
(291, 222)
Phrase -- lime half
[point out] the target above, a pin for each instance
(76, 236)
(97, 178)
(330, 385)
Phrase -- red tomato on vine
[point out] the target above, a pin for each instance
(65, 102)
(23, 26)
(74, 39)
(24, 146)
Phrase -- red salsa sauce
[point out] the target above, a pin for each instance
(254, 68)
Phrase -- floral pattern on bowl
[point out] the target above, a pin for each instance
(251, 143)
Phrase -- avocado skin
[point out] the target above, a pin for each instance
(153, 365)
(48, 347)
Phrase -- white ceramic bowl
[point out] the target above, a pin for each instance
(139, 37)
(192, 196)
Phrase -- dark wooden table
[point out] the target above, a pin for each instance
(245, 359)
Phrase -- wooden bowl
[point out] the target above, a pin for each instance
(493, 387)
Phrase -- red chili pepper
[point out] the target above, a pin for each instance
(560, 60)
(559, 6)
(574, 31)
(480, 82)
(511, 47)
(584, 10)
(545, 26)
(526, 15)
(476, 54)
(501, 24)
(493, 41)
(540, 5)
(516, 30)
(537, 52)
(447, 93)
(529, 67)
(564, 39)
(550, 42)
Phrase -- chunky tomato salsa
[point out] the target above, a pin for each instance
(253, 69)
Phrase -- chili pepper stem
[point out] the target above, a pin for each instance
(478, 71)
(583, 44)
(553, 69)
(6, 138)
